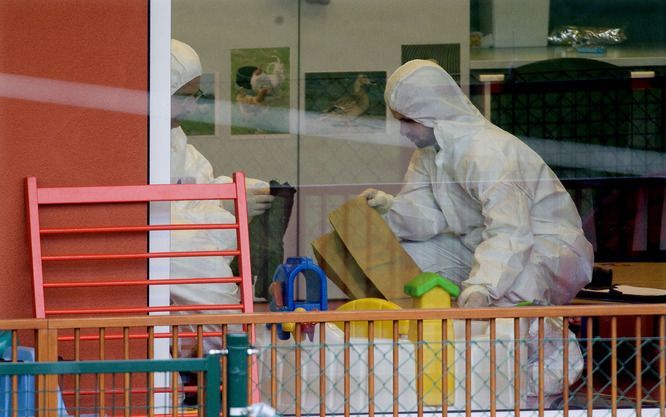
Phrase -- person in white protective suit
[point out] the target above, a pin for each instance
(189, 166)
(478, 206)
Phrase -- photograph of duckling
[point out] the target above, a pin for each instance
(260, 91)
(345, 102)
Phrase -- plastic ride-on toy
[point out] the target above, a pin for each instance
(283, 293)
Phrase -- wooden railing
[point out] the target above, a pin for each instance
(625, 326)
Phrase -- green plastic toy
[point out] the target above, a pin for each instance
(426, 281)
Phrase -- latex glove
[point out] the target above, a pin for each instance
(258, 201)
(474, 296)
(379, 200)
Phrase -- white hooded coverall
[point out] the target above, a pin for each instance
(483, 209)
(189, 166)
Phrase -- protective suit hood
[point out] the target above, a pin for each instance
(422, 91)
(185, 64)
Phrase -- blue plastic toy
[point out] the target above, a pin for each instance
(316, 298)
(26, 388)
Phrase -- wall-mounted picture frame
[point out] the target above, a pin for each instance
(202, 121)
(345, 102)
(446, 55)
(260, 92)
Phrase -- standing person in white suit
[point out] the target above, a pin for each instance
(189, 166)
(479, 206)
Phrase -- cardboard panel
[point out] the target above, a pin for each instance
(341, 268)
(363, 256)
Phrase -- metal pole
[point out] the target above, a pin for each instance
(213, 386)
(238, 348)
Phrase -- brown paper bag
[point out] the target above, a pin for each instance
(362, 256)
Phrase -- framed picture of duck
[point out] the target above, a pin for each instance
(259, 91)
(345, 102)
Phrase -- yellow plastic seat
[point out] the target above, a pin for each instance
(383, 328)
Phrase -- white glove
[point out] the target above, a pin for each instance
(379, 200)
(258, 201)
(474, 296)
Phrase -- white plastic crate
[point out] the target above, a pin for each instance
(333, 370)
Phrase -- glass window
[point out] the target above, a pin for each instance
(514, 147)
(292, 93)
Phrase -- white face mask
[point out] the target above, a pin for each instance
(421, 136)
(185, 101)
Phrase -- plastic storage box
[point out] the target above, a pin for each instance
(333, 370)
(26, 388)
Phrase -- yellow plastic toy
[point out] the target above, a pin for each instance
(431, 290)
(290, 326)
(383, 329)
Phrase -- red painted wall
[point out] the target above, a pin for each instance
(73, 111)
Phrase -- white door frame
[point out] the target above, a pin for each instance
(159, 137)
(159, 133)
